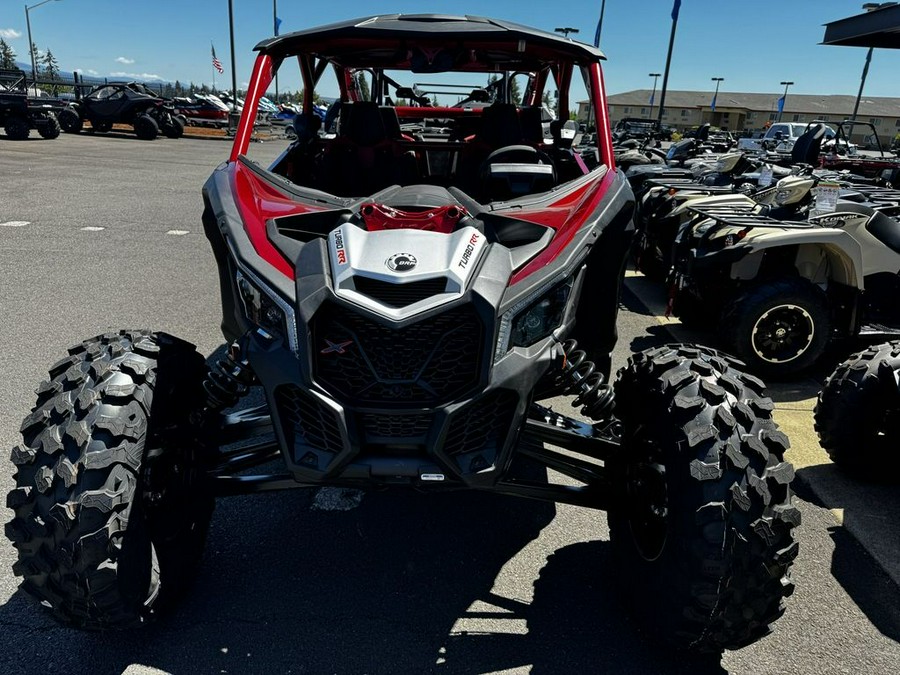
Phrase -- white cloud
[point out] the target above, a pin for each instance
(91, 71)
(136, 76)
(9, 33)
(124, 60)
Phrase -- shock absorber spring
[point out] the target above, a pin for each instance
(228, 380)
(582, 379)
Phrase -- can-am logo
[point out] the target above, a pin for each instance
(401, 262)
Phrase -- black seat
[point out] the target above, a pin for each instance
(702, 134)
(806, 148)
(885, 229)
(500, 126)
(362, 159)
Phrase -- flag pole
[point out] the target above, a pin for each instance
(275, 24)
(212, 67)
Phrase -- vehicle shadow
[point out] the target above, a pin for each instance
(864, 572)
(378, 589)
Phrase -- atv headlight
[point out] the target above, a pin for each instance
(534, 318)
(266, 310)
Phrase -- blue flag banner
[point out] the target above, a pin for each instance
(651, 98)
(781, 105)
(713, 104)
(597, 32)
(277, 25)
(675, 9)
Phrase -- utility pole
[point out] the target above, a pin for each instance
(31, 42)
(565, 31)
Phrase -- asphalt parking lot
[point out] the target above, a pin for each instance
(100, 233)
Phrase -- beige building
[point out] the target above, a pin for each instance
(739, 112)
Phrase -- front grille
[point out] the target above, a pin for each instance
(307, 422)
(396, 428)
(399, 295)
(481, 427)
(426, 363)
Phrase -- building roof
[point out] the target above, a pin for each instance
(833, 105)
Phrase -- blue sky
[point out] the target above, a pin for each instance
(753, 44)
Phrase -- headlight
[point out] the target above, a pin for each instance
(534, 318)
(266, 310)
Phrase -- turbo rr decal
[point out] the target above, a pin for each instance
(468, 253)
(340, 251)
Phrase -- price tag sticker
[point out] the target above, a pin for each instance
(827, 196)
(765, 176)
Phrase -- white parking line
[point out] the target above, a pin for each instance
(178, 233)
(15, 223)
(92, 228)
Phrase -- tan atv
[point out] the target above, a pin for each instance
(780, 290)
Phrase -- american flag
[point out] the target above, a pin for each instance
(216, 63)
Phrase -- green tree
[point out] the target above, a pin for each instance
(515, 92)
(7, 55)
(204, 89)
(51, 69)
(179, 90)
(36, 60)
(363, 86)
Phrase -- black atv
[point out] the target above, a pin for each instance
(20, 113)
(123, 103)
(405, 303)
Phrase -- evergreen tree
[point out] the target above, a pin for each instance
(36, 60)
(363, 86)
(51, 69)
(179, 90)
(192, 89)
(515, 93)
(7, 55)
(204, 89)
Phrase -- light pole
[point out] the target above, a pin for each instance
(655, 77)
(30, 42)
(783, 99)
(565, 31)
(718, 81)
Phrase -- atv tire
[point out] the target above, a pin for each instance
(17, 129)
(779, 329)
(101, 126)
(110, 516)
(146, 128)
(702, 523)
(649, 259)
(70, 121)
(49, 128)
(857, 415)
(174, 128)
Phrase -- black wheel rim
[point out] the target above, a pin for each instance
(647, 505)
(783, 333)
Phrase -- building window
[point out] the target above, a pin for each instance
(876, 121)
(751, 115)
(684, 113)
(773, 117)
(643, 111)
(627, 111)
(796, 118)
(897, 123)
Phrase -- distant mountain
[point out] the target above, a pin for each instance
(88, 79)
